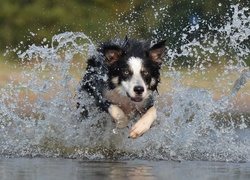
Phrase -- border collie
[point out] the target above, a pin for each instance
(122, 77)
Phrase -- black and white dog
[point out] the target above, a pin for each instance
(122, 78)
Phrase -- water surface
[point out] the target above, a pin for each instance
(74, 169)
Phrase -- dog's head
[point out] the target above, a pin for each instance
(133, 66)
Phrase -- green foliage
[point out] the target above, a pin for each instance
(20, 20)
(30, 21)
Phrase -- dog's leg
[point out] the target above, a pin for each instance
(118, 115)
(144, 123)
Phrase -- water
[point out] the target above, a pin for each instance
(58, 168)
(195, 128)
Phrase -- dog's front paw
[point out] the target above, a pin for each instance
(139, 129)
(143, 124)
(118, 115)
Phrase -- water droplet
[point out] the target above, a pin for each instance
(115, 131)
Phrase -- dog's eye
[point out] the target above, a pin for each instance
(126, 72)
(145, 72)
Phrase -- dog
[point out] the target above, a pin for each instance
(122, 77)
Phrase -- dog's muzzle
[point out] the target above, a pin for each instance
(138, 94)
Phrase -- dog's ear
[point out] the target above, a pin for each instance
(157, 51)
(112, 54)
(126, 42)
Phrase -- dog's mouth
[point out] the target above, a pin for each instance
(137, 98)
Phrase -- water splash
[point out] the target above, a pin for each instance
(38, 115)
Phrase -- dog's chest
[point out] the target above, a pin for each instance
(129, 107)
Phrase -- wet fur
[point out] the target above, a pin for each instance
(121, 78)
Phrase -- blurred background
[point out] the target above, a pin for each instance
(24, 22)
(204, 38)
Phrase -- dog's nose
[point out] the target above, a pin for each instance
(138, 90)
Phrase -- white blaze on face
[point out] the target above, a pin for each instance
(136, 79)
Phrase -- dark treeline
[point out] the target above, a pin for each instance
(30, 21)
